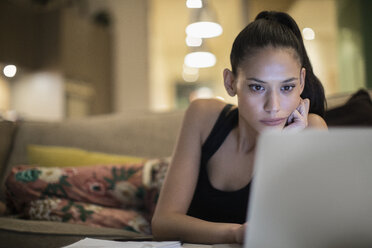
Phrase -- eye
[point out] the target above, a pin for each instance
(288, 88)
(256, 87)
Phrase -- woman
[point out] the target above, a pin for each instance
(205, 194)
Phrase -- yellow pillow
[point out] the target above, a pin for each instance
(57, 156)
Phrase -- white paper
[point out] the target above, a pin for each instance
(96, 243)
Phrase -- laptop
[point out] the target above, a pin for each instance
(312, 189)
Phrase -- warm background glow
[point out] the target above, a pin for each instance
(233, 15)
(138, 62)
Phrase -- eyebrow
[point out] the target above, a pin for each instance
(260, 81)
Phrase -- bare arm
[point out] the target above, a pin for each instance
(170, 220)
(315, 121)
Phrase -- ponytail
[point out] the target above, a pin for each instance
(278, 29)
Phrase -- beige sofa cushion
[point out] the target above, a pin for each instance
(151, 135)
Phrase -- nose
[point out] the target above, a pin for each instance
(272, 103)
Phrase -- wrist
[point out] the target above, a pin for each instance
(235, 233)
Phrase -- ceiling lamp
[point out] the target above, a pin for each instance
(190, 74)
(10, 71)
(205, 24)
(194, 4)
(308, 34)
(190, 77)
(193, 41)
(190, 70)
(200, 59)
(204, 29)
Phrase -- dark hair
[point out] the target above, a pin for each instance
(278, 29)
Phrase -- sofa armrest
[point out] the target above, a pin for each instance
(7, 131)
(357, 111)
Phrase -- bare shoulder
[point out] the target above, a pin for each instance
(316, 121)
(206, 106)
(204, 113)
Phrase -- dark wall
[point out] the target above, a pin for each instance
(366, 17)
(24, 35)
(62, 39)
(356, 15)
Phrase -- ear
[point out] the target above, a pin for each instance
(302, 78)
(229, 82)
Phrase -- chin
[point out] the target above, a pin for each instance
(270, 128)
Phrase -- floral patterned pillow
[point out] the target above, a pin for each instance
(64, 210)
(108, 195)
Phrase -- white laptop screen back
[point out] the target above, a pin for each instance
(312, 189)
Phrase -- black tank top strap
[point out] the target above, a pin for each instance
(226, 121)
(209, 203)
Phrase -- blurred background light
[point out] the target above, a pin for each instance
(190, 70)
(193, 41)
(190, 74)
(10, 70)
(200, 59)
(201, 93)
(204, 29)
(190, 77)
(193, 4)
(308, 34)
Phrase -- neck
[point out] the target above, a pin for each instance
(247, 137)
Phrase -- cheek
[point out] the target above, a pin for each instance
(291, 103)
(249, 103)
(252, 101)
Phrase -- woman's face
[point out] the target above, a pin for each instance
(268, 86)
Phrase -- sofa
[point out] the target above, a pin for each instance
(147, 135)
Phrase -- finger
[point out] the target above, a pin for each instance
(301, 107)
(294, 118)
(307, 105)
(298, 120)
(304, 106)
(290, 118)
(298, 117)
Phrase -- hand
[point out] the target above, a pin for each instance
(298, 118)
(240, 232)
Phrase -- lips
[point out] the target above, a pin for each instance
(273, 122)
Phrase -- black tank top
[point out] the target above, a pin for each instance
(209, 203)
